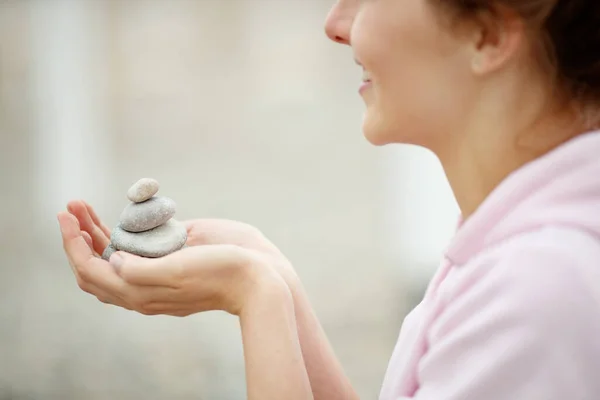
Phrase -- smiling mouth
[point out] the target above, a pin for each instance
(366, 84)
(366, 77)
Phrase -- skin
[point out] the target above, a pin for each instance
(457, 90)
(229, 267)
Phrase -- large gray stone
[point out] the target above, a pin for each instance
(140, 217)
(156, 242)
(142, 190)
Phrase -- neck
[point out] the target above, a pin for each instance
(484, 158)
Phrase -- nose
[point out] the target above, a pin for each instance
(339, 21)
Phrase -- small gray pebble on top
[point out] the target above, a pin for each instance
(143, 190)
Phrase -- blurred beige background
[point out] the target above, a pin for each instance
(241, 109)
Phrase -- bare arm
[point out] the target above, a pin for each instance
(327, 378)
(286, 351)
(274, 366)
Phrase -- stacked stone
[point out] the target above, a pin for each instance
(146, 227)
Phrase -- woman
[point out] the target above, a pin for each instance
(507, 94)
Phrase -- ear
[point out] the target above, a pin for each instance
(498, 38)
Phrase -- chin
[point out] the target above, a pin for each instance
(372, 131)
(374, 139)
(380, 132)
(377, 133)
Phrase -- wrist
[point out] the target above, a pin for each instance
(265, 285)
(285, 269)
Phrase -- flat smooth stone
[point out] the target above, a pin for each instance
(157, 242)
(108, 251)
(140, 217)
(142, 190)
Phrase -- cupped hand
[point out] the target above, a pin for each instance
(200, 232)
(195, 279)
(222, 231)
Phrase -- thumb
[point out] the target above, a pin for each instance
(144, 271)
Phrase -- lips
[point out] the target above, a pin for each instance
(366, 83)
(366, 77)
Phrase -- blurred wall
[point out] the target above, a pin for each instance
(241, 109)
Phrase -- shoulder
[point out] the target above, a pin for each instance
(526, 314)
(550, 262)
(550, 277)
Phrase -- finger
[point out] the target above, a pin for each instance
(226, 232)
(203, 263)
(97, 220)
(157, 299)
(204, 231)
(169, 308)
(88, 240)
(212, 231)
(89, 221)
(174, 309)
(104, 297)
(99, 239)
(90, 271)
(165, 271)
(76, 248)
(188, 224)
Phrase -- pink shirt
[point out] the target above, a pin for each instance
(514, 310)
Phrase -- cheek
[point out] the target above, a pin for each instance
(417, 90)
(417, 105)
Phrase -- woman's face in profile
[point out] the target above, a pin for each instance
(417, 75)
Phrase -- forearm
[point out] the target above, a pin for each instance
(275, 369)
(327, 378)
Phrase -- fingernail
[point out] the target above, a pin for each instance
(116, 261)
